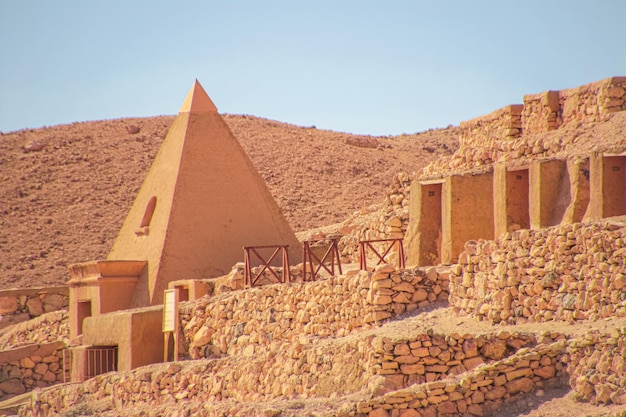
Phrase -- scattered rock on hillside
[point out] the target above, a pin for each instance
(363, 142)
(132, 129)
(33, 146)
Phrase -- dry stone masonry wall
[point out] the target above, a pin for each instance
(388, 222)
(49, 327)
(569, 272)
(514, 132)
(482, 372)
(19, 305)
(300, 371)
(26, 368)
(597, 367)
(484, 131)
(245, 321)
(432, 357)
(591, 102)
(476, 393)
(293, 370)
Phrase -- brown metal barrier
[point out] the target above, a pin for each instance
(330, 256)
(364, 244)
(67, 364)
(100, 360)
(250, 280)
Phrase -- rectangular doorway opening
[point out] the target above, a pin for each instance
(430, 227)
(614, 186)
(183, 293)
(83, 311)
(517, 202)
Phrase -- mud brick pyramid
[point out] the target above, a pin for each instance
(200, 203)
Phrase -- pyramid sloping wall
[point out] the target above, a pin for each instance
(210, 202)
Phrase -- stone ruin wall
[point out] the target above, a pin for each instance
(597, 367)
(499, 366)
(47, 328)
(504, 366)
(390, 221)
(432, 357)
(569, 272)
(19, 305)
(31, 354)
(480, 371)
(486, 131)
(244, 321)
(26, 368)
(505, 134)
(479, 392)
(592, 102)
(511, 133)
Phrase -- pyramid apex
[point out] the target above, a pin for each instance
(197, 101)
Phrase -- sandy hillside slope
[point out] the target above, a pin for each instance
(65, 190)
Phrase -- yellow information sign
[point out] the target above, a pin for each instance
(169, 311)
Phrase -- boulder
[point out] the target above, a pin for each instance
(8, 305)
(53, 302)
(35, 307)
(12, 386)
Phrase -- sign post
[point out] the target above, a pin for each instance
(170, 322)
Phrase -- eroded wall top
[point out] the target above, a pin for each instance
(521, 132)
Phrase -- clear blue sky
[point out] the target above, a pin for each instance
(370, 67)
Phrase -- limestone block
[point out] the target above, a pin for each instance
(53, 302)
(27, 363)
(35, 306)
(494, 350)
(382, 299)
(8, 305)
(381, 315)
(546, 372)
(378, 412)
(407, 359)
(202, 336)
(40, 368)
(472, 363)
(404, 287)
(49, 377)
(409, 412)
(519, 385)
(401, 349)
(12, 386)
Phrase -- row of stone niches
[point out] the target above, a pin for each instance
(450, 211)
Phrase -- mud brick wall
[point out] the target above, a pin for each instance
(26, 368)
(49, 327)
(478, 392)
(569, 272)
(591, 102)
(23, 304)
(245, 321)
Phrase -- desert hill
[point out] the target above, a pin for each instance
(65, 190)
